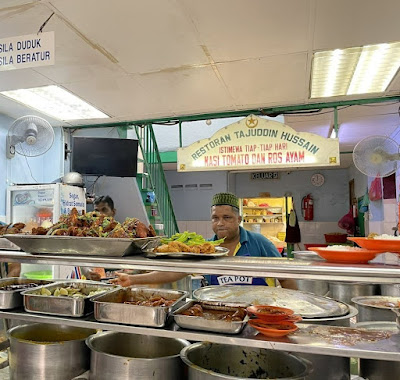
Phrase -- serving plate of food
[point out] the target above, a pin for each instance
(91, 234)
(381, 243)
(345, 254)
(188, 245)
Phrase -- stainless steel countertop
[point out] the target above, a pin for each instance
(300, 341)
(247, 266)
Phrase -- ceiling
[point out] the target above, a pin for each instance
(138, 60)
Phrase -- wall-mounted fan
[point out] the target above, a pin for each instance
(376, 156)
(29, 136)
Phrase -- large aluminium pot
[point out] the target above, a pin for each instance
(392, 290)
(318, 287)
(345, 291)
(207, 361)
(379, 369)
(327, 367)
(48, 352)
(123, 356)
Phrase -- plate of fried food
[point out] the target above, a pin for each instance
(188, 245)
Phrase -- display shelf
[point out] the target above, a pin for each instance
(262, 216)
(263, 223)
(260, 208)
(301, 341)
(247, 266)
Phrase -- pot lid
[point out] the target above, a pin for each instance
(305, 304)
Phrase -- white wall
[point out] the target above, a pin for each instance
(28, 170)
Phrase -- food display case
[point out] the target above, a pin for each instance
(267, 216)
(309, 339)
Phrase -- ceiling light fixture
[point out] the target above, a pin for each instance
(56, 102)
(358, 70)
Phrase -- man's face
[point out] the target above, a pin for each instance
(104, 208)
(225, 222)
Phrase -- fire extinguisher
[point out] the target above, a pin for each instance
(307, 207)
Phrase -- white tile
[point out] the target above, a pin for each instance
(191, 225)
(388, 227)
(376, 227)
(389, 211)
(182, 225)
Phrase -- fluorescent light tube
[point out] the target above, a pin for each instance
(358, 70)
(56, 102)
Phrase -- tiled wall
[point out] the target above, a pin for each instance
(202, 227)
(389, 221)
(311, 232)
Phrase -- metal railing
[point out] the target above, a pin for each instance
(154, 178)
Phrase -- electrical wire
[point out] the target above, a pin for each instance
(26, 159)
(93, 184)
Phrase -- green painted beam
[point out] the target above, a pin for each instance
(122, 132)
(259, 111)
(168, 157)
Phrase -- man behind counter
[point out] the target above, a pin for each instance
(105, 205)
(225, 221)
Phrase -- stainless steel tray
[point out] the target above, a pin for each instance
(8, 245)
(220, 251)
(306, 304)
(200, 323)
(87, 246)
(110, 307)
(10, 299)
(34, 302)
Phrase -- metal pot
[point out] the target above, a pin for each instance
(392, 290)
(318, 287)
(334, 321)
(327, 367)
(345, 291)
(373, 313)
(379, 369)
(219, 361)
(48, 352)
(122, 356)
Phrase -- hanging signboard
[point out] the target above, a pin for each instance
(254, 143)
(31, 50)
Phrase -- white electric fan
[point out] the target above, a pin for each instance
(29, 136)
(376, 156)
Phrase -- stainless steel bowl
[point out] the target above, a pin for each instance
(207, 361)
(125, 356)
(367, 312)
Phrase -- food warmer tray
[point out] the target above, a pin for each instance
(66, 306)
(199, 323)
(8, 245)
(110, 307)
(10, 299)
(87, 246)
(305, 304)
(219, 252)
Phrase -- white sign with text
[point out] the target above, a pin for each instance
(31, 50)
(257, 143)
